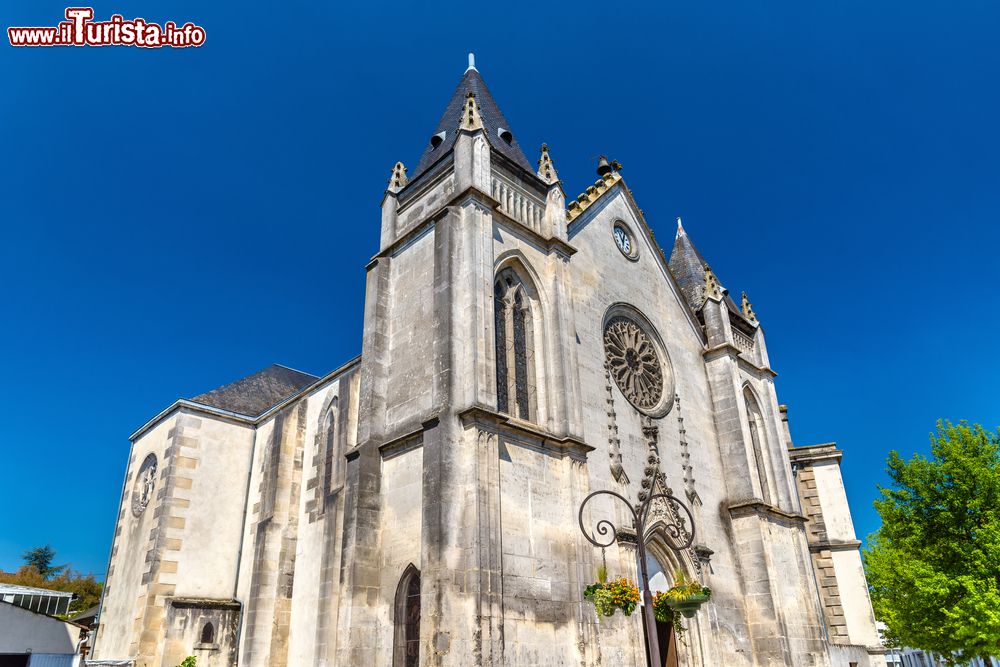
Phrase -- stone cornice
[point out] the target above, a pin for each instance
(759, 507)
(389, 444)
(814, 453)
(719, 351)
(837, 545)
(406, 441)
(205, 603)
(490, 419)
(761, 372)
(733, 352)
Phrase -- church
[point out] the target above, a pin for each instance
(420, 505)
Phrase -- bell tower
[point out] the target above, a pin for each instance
(467, 343)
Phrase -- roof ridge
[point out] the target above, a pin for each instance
(289, 368)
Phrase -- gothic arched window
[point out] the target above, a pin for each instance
(758, 439)
(208, 634)
(329, 450)
(513, 325)
(406, 651)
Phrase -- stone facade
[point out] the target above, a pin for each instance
(420, 505)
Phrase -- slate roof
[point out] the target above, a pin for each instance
(688, 267)
(493, 121)
(87, 617)
(256, 393)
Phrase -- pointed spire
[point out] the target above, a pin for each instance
(470, 114)
(472, 62)
(713, 290)
(547, 170)
(688, 267)
(747, 309)
(498, 132)
(397, 179)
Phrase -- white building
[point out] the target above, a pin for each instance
(419, 504)
(32, 639)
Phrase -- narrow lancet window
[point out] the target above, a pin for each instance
(329, 451)
(757, 440)
(406, 651)
(514, 346)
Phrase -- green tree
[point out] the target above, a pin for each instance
(38, 572)
(41, 559)
(86, 588)
(934, 565)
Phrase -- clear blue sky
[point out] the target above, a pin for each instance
(174, 220)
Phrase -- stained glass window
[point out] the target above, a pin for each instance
(513, 334)
(411, 622)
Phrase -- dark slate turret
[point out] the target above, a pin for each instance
(688, 267)
(690, 270)
(498, 131)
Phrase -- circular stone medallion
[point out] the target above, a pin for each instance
(145, 482)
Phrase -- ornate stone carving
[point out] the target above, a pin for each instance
(547, 170)
(145, 482)
(398, 179)
(747, 309)
(614, 442)
(470, 114)
(689, 490)
(713, 290)
(593, 193)
(634, 363)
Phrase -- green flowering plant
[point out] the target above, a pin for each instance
(608, 596)
(684, 598)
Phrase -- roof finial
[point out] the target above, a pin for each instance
(713, 290)
(398, 178)
(470, 114)
(748, 309)
(680, 227)
(472, 62)
(546, 170)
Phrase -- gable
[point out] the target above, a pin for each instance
(592, 233)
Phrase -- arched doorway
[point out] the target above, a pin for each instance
(662, 563)
(660, 579)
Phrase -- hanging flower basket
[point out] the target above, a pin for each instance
(690, 606)
(685, 598)
(609, 596)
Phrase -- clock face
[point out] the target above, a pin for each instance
(624, 241)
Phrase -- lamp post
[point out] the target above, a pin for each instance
(677, 538)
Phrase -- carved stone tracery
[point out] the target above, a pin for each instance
(633, 363)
